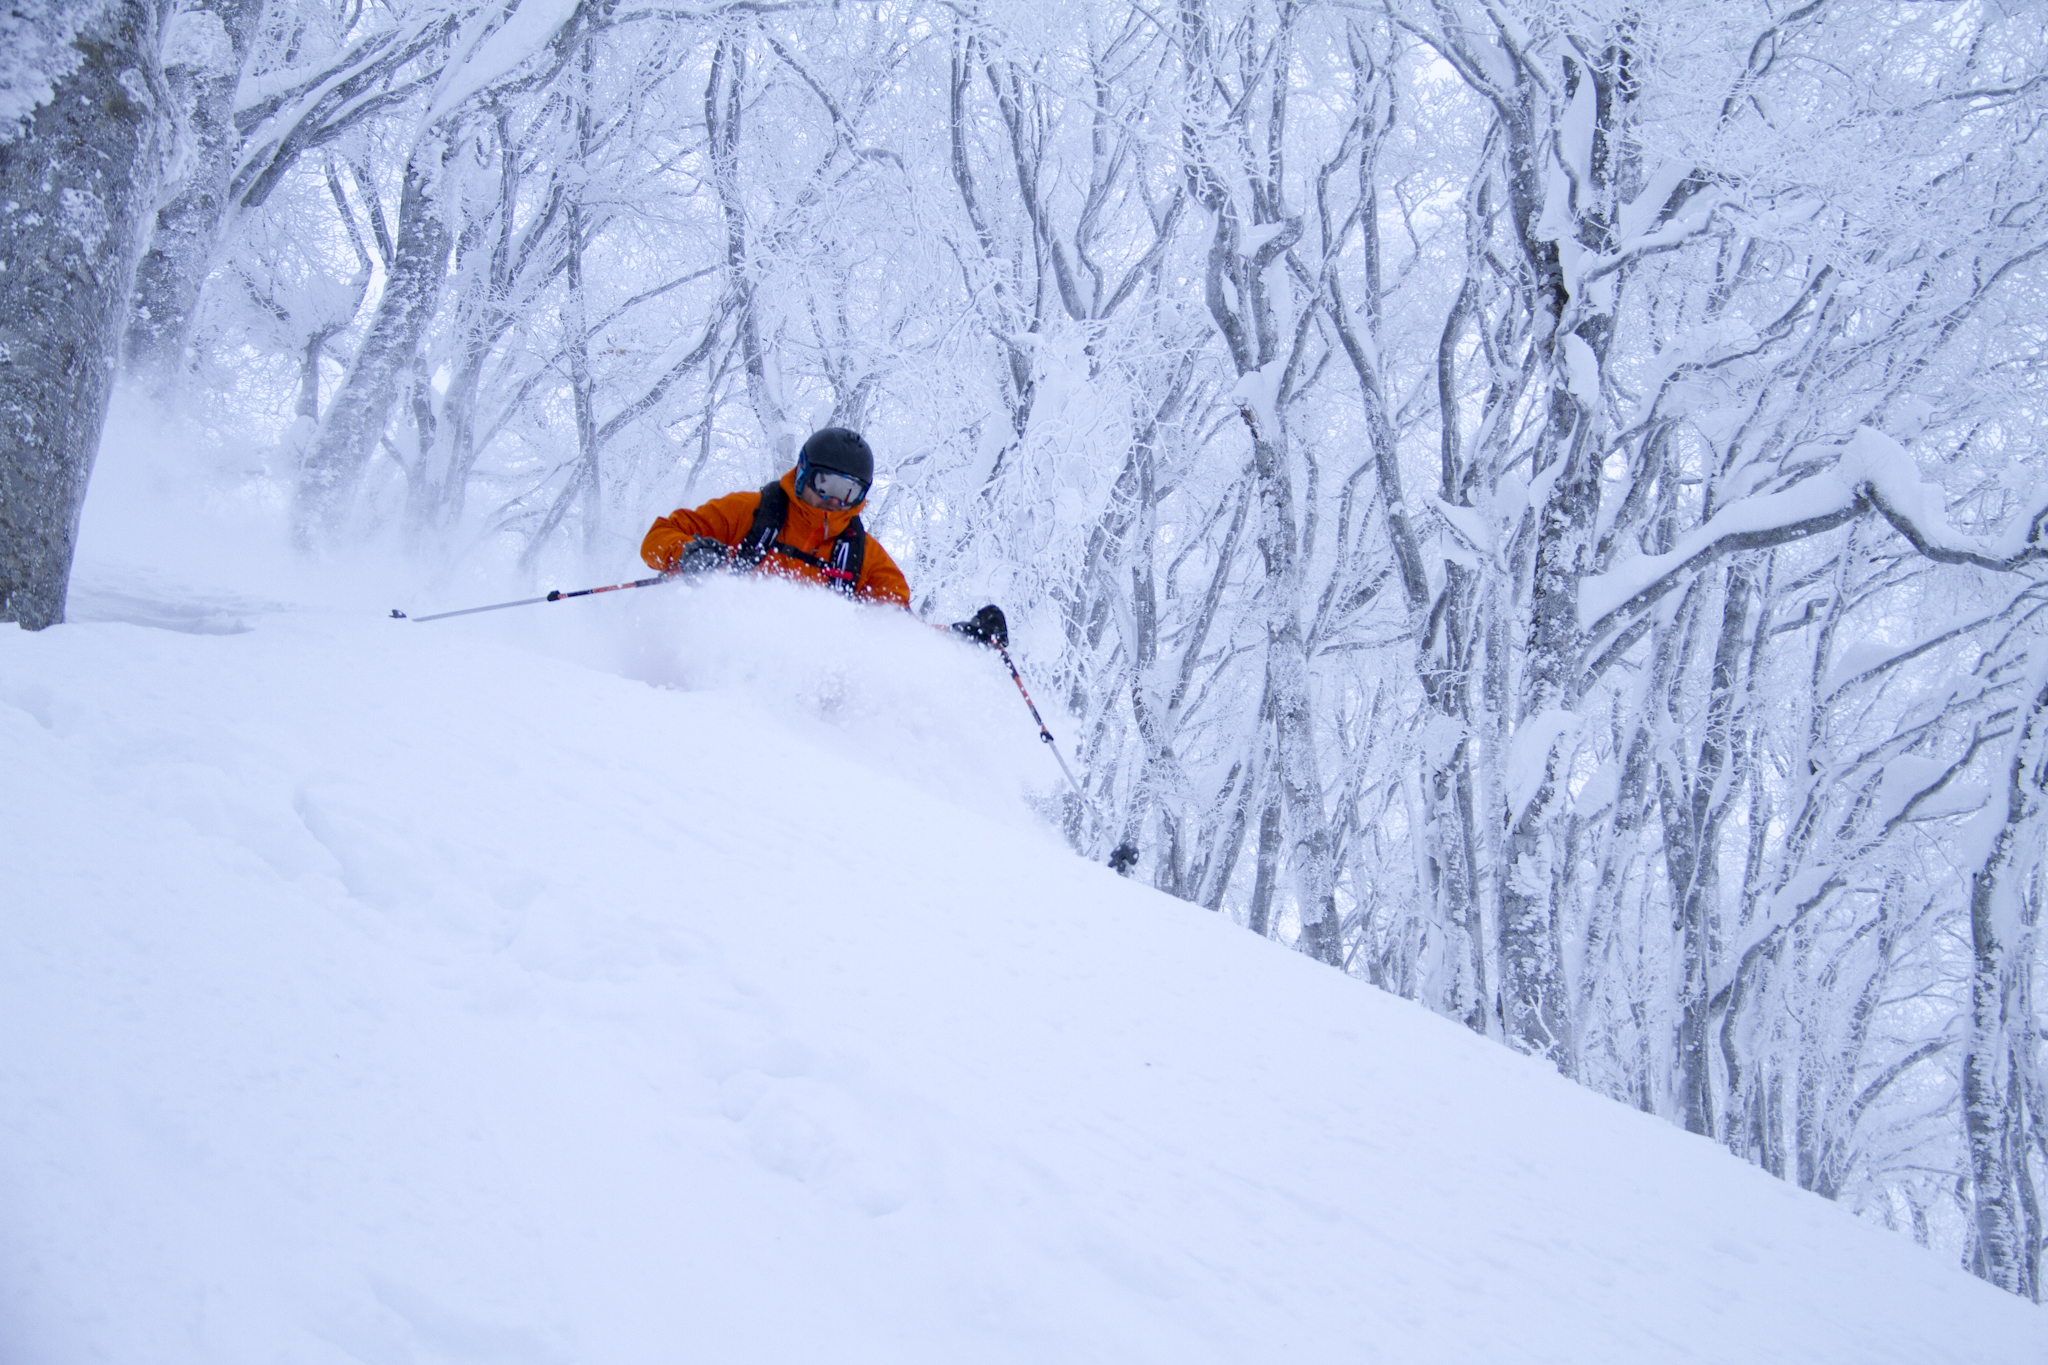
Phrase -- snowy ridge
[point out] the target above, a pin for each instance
(685, 976)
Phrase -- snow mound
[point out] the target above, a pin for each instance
(684, 974)
(870, 684)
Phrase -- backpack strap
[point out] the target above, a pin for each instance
(842, 562)
(847, 554)
(769, 515)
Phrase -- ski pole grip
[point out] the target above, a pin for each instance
(554, 595)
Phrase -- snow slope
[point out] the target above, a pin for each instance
(681, 975)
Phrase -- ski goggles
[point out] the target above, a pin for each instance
(832, 486)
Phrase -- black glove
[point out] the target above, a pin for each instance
(701, 554)
(986, 627)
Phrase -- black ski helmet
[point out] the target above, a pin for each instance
(839, 450)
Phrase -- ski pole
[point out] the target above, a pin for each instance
(555, 596)
(1032, 706)
(1125, 856)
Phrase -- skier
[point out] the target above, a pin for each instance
(805, 525)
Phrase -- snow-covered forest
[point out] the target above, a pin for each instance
(1538, 504)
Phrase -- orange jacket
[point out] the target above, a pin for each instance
(809, 529)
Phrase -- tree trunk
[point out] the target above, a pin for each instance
(1268, 878)
(77, 182)
(589, 473)
(723, 103)
(204, 53)
(1694, 809)
(334, 466)
(2000, 1080)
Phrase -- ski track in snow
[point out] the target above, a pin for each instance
(684, 976)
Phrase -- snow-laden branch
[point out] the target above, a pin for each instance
(497, 51)
(1872, 473)
(490, 47)
(1901, 785)
(280, 124)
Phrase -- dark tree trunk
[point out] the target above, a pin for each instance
(1268, 878)
(78, 179)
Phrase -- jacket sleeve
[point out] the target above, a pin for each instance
(880, 580)
(724, 519)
